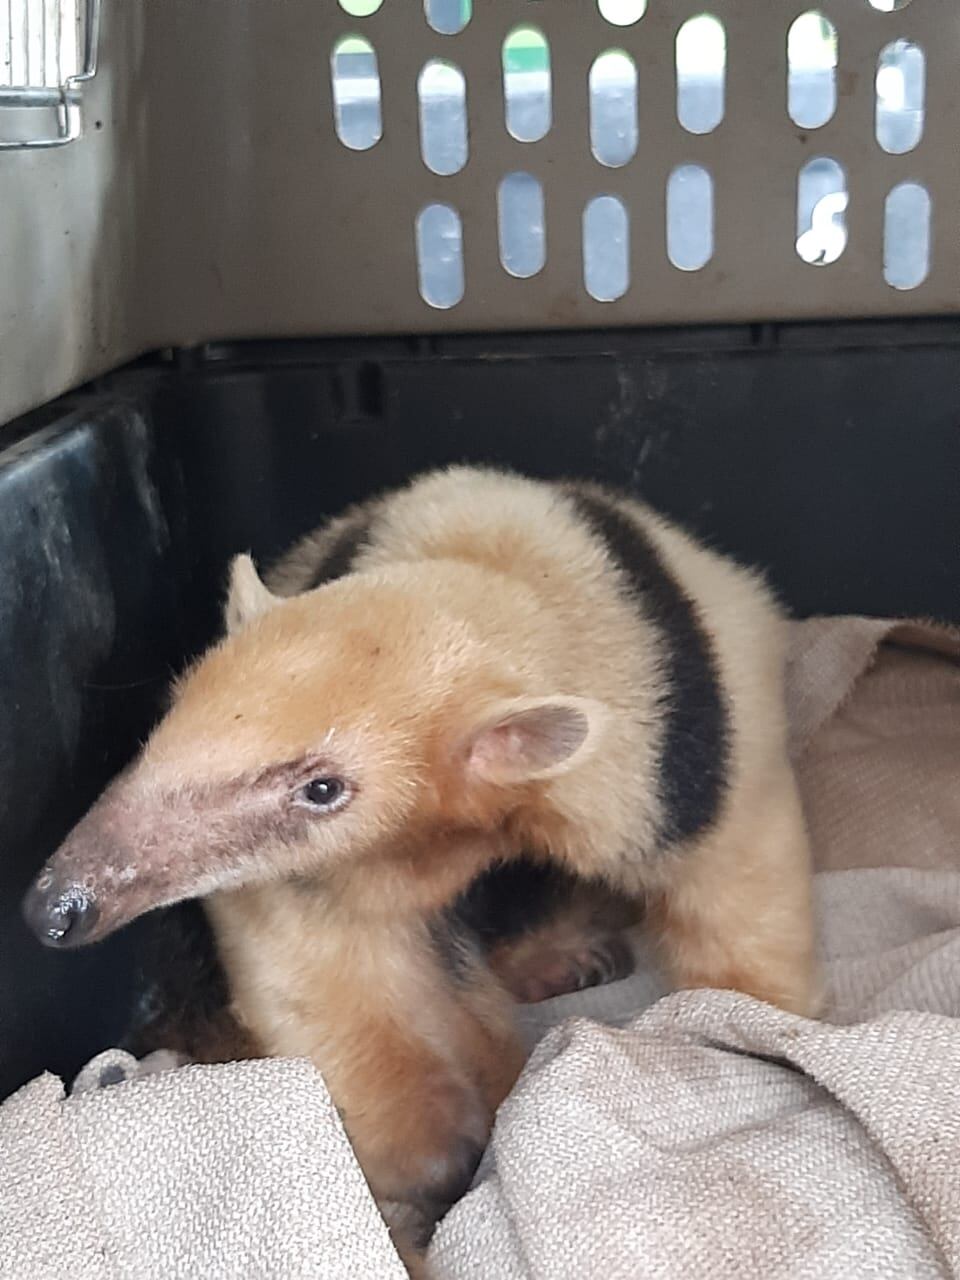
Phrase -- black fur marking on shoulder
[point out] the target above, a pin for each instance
(504, 902)
(347, 545)
(509, 899)
(696, 747)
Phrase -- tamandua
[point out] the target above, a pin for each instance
(475, 670)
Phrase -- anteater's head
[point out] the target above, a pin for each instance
(363, 724)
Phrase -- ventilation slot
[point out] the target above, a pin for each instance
(442, 93)
(690, 217)
(520, 214)
(526, 84)
(448, 17)
(701, 57)
(906, 236)
(356, 93)
(606, 249)
(811, 70)
(821, 212)
(901, 89)
(622, 13)
(440, 255)
(360, 8)
(613, 108)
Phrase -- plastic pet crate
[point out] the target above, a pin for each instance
(261, 259)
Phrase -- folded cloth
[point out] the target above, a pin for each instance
(875, 730)
(714, 1136)
(216, 1173)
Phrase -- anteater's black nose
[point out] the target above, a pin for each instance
(60, 915)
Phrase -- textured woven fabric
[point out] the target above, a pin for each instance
(708, 1136)
(206, 1173)
(877, 742)
(713, 1136)
(675, 1148)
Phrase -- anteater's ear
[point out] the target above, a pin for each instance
(247, 597)
(523, 739)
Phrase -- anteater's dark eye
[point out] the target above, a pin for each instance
(323, 793)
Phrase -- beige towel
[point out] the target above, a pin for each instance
(710, 1136)
(716, 1137)
(877, 742)
(206, 1173)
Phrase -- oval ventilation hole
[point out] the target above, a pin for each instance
(440, 255)
(360, 8)
(526, 84)
(821, 212)
(521, 224)
(356, 93)
(901, 90)
(442, 94)
(906, 236)
(613, 108)
(606, 248)
(811, 70)
(690, 217)
(888, 6)
(622, 13)
(701, 57)
(448, 17)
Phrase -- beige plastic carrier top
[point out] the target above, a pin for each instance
(174, 171)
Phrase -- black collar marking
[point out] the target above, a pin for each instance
(339, 559)
(696, 741)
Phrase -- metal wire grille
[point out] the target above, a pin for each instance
(41, 42)
(47, 48)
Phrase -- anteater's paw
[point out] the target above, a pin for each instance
(553, 971)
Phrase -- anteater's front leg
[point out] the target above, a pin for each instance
(735, 911)
(418, 1127)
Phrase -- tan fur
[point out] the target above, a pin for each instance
(738, 913)
(478, 597)
(416, 1066)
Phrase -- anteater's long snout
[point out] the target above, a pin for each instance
(135, 850)
(94, 882)
(62, 914)
(145, 845)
